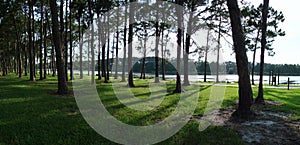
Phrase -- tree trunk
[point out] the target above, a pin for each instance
(92, 44)
(206, 53)
(41, 41)
(125, 45)
(157, 36)
(80, 48)
(33, 45)
(254, 55)
(179, 13)
(117, 46)
(187, 50)
(31, 68)
(19, 50)
(162, 56)
(144, 58)
(71, 43)
(245, 90)
(103, 38)
(62, 83)
(25, 59)
(45, 52)
(260, 96)
(66, 41)
(88, 52)
(130, 39)
(218, 49)
(99, 47)
(107, 52)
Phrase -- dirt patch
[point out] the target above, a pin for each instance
(267, 127)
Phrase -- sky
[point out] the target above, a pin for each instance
(287, 50)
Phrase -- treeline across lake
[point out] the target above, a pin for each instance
(170, 67)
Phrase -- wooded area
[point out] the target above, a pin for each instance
(64, 38)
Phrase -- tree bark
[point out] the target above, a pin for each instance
(117, 46)
(125, 45)
(131, 22)
(71, 43)
(245, 90)
(31, 67)
(66, 41)
(99, 48)
(206, 54)
(62, 83)
(103, 38)
(41, 41)
(254, 55)
(179, 13)
(157, 36)
(187, 50)
(108, 47)
(260, 96)
(218, 51)
(80, 48)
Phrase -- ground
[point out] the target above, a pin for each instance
(31, 113)
(266, 127)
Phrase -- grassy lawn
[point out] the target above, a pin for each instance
(31, 114)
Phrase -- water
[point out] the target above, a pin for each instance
(227, 78)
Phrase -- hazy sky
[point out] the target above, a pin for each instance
(287, 47)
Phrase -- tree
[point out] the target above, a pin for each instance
(71, 43)
(41, 39)
(252, 23)
(108, 47)
(245, 90)
(31, 57)
(124, 43)
(179, 14)
(117, 44)
(62, 83)
(130, 39)
(92, 42)
(260, 96)
(192, 27)
(66, 40)
(142, 34)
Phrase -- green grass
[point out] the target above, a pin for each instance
(31, 114)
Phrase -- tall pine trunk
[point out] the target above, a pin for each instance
(187, 50)
(31, 67)
(108, 48)
(124, 45)
(260, 96)
(179, 13)
(41, 41)
(71, 42)
(99, 47)
(117, 46)
(130, 39)
(206, 55)
(62, 83)
(157, 36)
(245, 90)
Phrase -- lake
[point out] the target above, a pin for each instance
(227, 78)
